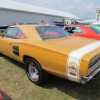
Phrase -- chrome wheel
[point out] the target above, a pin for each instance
(34, 74)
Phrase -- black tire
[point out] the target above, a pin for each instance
(35, 72)
(0, 54)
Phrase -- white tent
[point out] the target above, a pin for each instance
(96, 23)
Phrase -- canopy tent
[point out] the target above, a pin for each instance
(96, 23)
(79, 21)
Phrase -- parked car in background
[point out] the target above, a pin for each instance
(84, 31)
(31, 23)
(17, 23)
(60, 24)
(3, 28)
(47, 49)
(97, 26)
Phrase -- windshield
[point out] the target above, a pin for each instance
(98, 27)
(49, 32)
(96, 30)
(74, 30)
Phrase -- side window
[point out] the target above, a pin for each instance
(20, 35)
(5, 33)
(96, 30)
(68, 29)
(11, 32)
(77, 30)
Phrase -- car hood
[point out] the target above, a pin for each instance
(71, 42)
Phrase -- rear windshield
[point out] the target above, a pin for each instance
(49, 32)
(95, 29)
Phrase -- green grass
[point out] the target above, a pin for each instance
(15, 85)
(1, 32)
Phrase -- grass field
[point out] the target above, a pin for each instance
(15, 85)
(1, 32)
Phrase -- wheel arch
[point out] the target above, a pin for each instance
(25, 57)
(43, 75)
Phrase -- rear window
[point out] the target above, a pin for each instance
(74, 30)
(95, 29)
(77, 30)
(49, 32)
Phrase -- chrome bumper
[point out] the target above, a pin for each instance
(89, 77)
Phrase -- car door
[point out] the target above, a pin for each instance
(17, 44)
(6, 41)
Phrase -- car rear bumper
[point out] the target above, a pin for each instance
(89, 77)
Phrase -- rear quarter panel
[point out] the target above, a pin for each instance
(52, 61)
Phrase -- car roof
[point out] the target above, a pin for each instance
(77, 26)
(29, 30)
(35, 25)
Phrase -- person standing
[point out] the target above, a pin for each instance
(42, 22)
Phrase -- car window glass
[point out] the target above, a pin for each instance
(48, 32)
(95, 29)
(5, 33)
(68, 29)
(98, 27)
(12, 32)
(76, 30)
(20, 35)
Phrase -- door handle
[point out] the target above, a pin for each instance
(10, 43)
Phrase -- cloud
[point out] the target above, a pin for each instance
(81, 8)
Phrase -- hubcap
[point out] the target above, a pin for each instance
(33, 72)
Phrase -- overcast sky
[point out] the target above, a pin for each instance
(84, 9)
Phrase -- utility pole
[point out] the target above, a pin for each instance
(98, 14)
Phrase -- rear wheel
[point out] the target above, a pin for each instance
(35, 72)
(0, 54)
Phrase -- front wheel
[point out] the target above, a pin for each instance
(35, 72)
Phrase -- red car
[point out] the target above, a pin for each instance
(83, 31)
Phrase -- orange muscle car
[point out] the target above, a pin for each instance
(46, 50)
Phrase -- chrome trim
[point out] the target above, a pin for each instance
(93, 68)
(94, 61)
(89, 77)
(34, 74)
